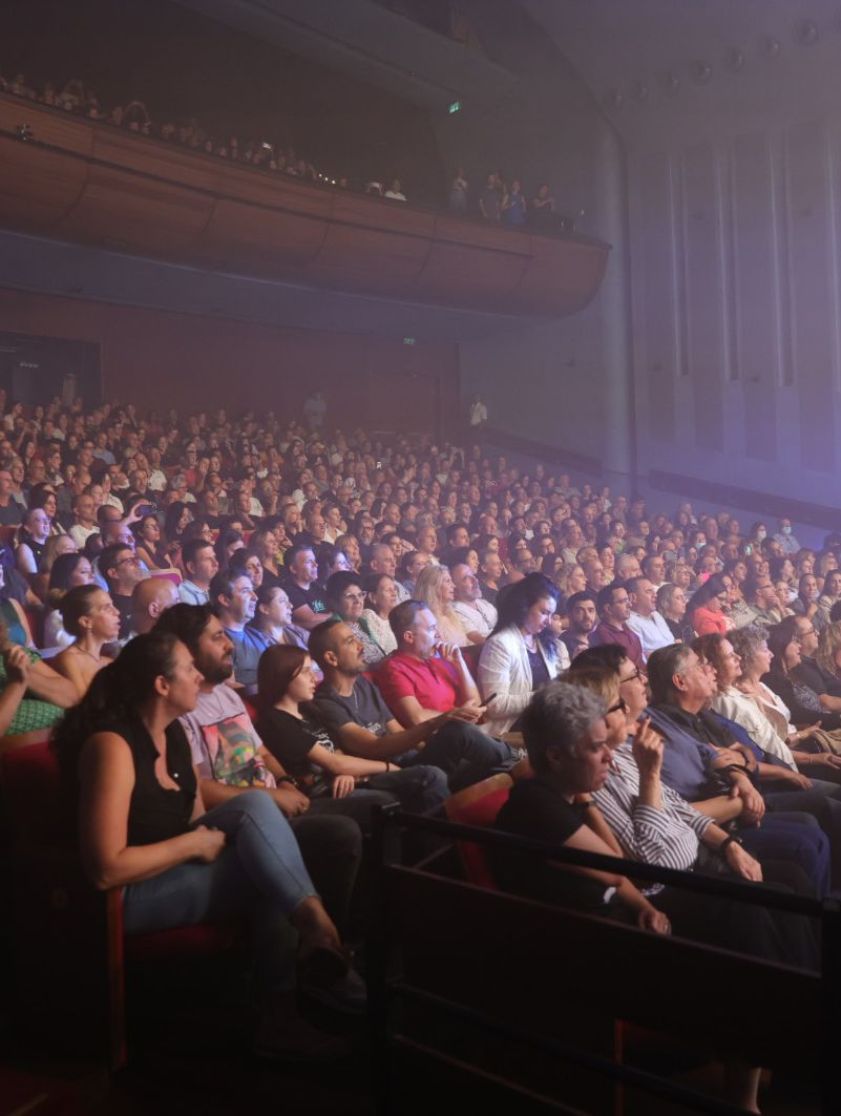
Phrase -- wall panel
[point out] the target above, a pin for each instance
(755, 307)
(703, 290)
(658, 312)
(807, 223)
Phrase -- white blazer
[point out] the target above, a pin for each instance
(504, 670)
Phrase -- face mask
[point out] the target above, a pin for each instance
(701, 541)
(787, 530)
(760, 535)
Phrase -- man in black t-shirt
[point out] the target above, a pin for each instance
(309, 604)
(358, 719)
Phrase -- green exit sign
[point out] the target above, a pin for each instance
(454, 106)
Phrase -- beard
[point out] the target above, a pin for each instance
(216, 672)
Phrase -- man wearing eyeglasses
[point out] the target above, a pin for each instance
(121, 570)
(809, 672)
(613, 605)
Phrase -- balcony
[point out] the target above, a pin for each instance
(86, 182)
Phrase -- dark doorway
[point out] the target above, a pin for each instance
(36, 369)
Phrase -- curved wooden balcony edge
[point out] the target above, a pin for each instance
(84, 181)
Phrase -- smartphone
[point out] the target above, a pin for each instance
(489, 698)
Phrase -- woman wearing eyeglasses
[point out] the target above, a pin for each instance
(346, 599)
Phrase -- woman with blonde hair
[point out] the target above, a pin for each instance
(435, 588)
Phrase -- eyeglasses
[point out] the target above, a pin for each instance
(621, 706)
(631, 677)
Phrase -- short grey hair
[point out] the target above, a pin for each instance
(559, 714)
(746, 642)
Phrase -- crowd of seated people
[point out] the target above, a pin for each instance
(327, 622)
(75, 97)
(497, 201)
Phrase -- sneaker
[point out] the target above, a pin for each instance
(348, 994)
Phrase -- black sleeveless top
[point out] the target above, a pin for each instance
(155, 813)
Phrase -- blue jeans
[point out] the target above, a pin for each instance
(260, 875)
(464, 753)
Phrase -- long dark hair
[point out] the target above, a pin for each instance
(278, 665)
(116, 694)
(779, 637)
(515, 600)
(711, 588)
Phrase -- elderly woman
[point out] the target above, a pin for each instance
(435, 588)
(521, 654)
(567, 741)
(346, 599)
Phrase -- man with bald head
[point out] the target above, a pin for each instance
(148, 600)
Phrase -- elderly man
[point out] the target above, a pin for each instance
(382, 561)
(613, 605)
(358, 718)
(476, 614)
(645, 620)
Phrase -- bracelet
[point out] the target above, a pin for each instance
(730, 839)
(286, 779)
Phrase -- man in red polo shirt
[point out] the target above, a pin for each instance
(424, 678)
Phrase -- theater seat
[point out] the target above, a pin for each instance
(478, 805)
(58, 914)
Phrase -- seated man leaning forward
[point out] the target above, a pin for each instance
(354, 712)
(425, 677)
(230, 759)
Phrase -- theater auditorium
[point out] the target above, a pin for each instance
(420, 557)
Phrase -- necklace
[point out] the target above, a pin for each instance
(90, 654)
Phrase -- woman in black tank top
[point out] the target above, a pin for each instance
(143, 827)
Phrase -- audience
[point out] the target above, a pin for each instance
(269, 528)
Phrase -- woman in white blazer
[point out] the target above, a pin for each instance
(521, 654)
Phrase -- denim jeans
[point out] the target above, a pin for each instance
(260, 875)
(464, 753)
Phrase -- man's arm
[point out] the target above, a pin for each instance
(362, 742)
(468, 693)
(304, 617)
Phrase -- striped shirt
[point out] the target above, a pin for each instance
(667, 837)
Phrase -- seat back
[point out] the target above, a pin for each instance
(478, 805)
(31, 792)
